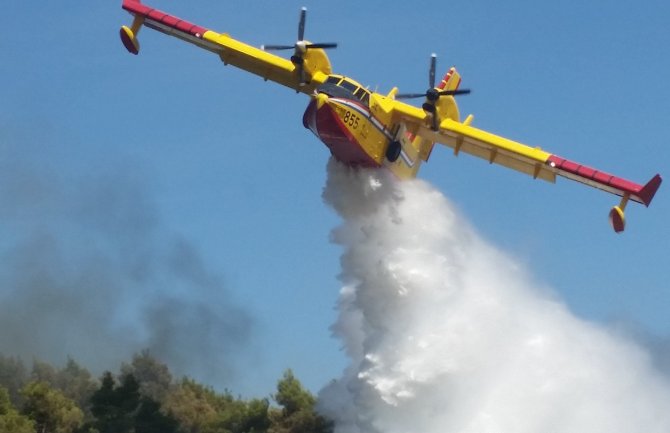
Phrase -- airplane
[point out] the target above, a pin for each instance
(364, 128)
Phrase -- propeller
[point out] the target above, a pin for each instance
(300, 47)
(433, 94)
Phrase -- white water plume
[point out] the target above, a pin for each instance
(446, 334)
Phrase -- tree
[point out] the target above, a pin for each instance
(43, 372)
(10, 419)
(199, 409)
(292, 396)
(51, 411)
(239, 416)
(74, 381)
(193, 405)
(153, 376)
(150, 419)
(121, 409)
(298, 414)
(13, 376)
(257, 416)
(113, 407)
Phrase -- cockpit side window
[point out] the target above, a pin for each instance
(333, 80)
(363, 95)
(349, 86)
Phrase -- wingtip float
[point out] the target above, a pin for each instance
(369, 129)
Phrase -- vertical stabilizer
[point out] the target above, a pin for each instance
(451, 80)
(447, 105)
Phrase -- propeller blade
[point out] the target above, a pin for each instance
(301, 26)
(425, 94)
(322, 45)
(455, 92)
(431, 74)
(299, 49)
(277, 47)
(410, 95)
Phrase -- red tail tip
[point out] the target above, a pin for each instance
(649, 190)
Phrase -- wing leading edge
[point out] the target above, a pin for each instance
(231, 51)
(462, 137)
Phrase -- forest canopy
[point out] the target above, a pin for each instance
(143, 397)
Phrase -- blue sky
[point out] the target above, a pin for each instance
(223, 161)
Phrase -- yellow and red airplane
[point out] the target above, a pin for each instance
(369, 129)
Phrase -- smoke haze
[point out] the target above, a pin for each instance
(88, 271)
(448, 335)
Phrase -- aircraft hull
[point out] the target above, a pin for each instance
(325, 122)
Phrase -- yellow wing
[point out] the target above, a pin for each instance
(314, 64)
(463, 138)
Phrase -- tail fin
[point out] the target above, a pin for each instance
(451, 80)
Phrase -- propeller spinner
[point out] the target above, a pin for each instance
(300, 47)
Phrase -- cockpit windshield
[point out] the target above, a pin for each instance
(337, 85)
